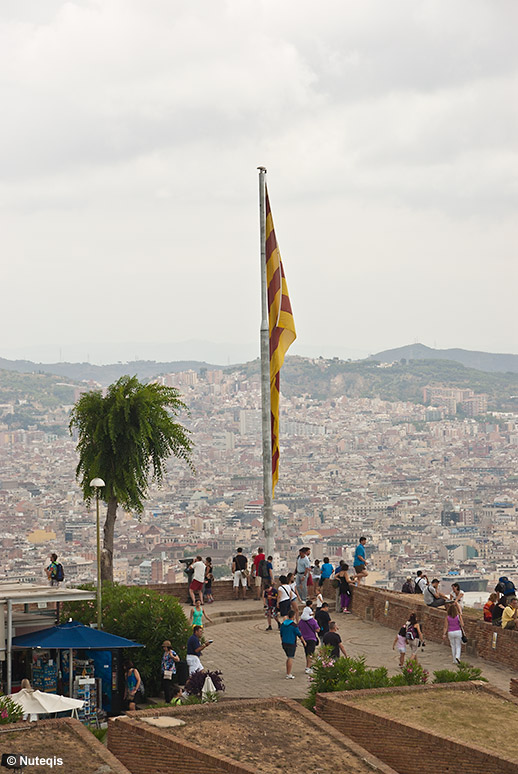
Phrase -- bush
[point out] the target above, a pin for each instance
(194, 684)
(139, 614)
(464, 673)
(10, 712)
(351, 674)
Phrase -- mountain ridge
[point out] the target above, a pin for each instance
(491, 362)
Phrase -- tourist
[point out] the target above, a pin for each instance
(176, 697)
(264, 572)
(323, 618)
(297, 600)
(498, 610)
(414, 635)
(408, 587)
(209, 577)
(344, 587)
(285, 596)
(510, 614)
(168, 670)
(132, 683)
(54, 571)
(194, 650)
(319, 599)
(333, 639)
(198, 579)
(453, 626)
(421, 582)
(488, 607)
(433, 597)
(239, 572)
(302, 572)
(309, 629)
(457, 596)
(315, 572)
(197, 615)
(270, 597)
(505, 587)
(325, 571)
(289, 633)
(400, 641)
(360, 561)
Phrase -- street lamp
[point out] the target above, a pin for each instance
(98, 483)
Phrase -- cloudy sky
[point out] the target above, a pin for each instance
(129, 139)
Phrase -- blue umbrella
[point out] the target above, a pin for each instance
(73, 635)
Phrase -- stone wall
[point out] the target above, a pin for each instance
(391, 608)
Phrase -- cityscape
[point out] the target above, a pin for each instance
(430, 488)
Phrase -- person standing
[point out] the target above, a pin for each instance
(197, 615)
(285, 596)
(168, 670)
(239, 572)
(259, 557)
(400, 641)
(302, 572)
(325, 571)
(198, 579)
(453, 626)
(209, 577)
(315, 572)
(360, 561)
(323, 619)
(54, 571)
(309, 629)
(194, 650)
(132, 681)
(414, 635)
(289, 632)
(270, 605)
(333, 639)
(344, 587)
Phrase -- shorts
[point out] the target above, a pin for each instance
(413, 645)
(289, 649)
(359, 568)
(196, 585)
(239, 577)
(401, 648)
(309, 647)
(284, 607)
(258, 581)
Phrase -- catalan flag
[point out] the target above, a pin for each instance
(282, 330)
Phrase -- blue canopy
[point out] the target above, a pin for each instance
(73, 635)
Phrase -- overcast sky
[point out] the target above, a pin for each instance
(129, 139)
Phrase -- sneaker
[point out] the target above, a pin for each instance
(290, 677)
(308, 671)
(268, 628)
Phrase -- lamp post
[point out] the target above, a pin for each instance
(98, 483)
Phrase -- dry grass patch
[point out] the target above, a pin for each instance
(465, 716)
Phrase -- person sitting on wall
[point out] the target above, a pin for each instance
(510, 614)
(433, 597)
(408, 586)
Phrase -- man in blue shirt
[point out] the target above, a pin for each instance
(289, 632)
(360, 562)
(325, 571)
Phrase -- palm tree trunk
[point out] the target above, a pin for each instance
(107, 551)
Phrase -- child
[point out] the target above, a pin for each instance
(198, 614)
(400, 639)
(270, 605)
(177, 695)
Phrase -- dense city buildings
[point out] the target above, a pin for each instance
(429, 488)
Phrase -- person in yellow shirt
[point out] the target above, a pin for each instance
(510, 614)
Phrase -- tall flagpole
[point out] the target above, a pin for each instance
(268, 523)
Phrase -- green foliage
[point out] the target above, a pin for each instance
(142, 615)
(125, 438)
(45, 390)
(10, 712)
(463, 673)
(351, 674)
(100, 733)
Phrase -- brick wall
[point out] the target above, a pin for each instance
(405, 748)
(221, 589)
(145, 749)
(391, 608)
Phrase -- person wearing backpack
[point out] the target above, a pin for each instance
(258, 562)
(289, 632)
(54, 571)
(420, 583)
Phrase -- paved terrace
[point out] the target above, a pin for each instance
(253, 662)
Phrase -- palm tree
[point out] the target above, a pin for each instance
(125, 438)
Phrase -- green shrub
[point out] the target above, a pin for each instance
(142, 615)
(464, 673)
(413, 673)
(10, 712)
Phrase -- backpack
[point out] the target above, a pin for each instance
(410, 632)
(505, 586)
(417, 587)
(262, 569)
(59, 574)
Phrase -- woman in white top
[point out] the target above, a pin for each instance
(295, 600)
(457, 596)
(285, 595)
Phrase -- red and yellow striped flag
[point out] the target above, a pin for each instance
(282, 330)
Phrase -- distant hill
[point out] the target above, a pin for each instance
(482, 361)
(104, 374)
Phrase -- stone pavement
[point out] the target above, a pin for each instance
(253, 663)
